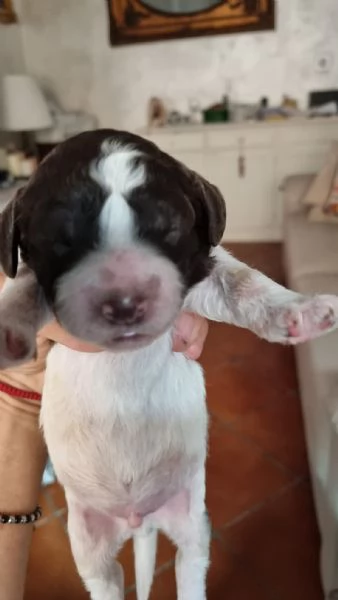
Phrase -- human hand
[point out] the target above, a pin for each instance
(191, 331)
(54, 332)
(190, 334)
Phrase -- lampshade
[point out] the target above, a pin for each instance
(24, 107)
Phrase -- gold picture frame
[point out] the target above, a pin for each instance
(7, 14)
(133, 21)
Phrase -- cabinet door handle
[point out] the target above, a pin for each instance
(241, 166)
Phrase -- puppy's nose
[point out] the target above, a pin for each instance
(125, 310)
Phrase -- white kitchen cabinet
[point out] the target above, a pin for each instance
(193, 160)
(268, 152)
(238, 175)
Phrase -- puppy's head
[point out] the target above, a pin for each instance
(116, 232)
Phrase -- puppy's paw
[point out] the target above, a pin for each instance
(17, 345)
(302, 320)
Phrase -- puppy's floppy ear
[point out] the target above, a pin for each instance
(9, 237)
(213, 207)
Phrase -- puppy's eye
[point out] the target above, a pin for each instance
(24, 255)
(166, 226)
(172, 236)
(60, 249)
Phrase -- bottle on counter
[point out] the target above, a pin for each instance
(226, 108)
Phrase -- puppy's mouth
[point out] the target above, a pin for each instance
(131, 339)
(131, 336)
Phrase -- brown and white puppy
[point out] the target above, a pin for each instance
(116, 237)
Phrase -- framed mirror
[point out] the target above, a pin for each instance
(134, 21)
(7, 14)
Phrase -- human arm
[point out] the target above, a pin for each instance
(22, 461)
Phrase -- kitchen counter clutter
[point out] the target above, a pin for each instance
(248, 161)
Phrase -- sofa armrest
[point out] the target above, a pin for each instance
(294, 188)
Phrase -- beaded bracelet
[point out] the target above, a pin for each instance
(10, 519)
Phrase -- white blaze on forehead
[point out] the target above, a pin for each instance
(117, 172)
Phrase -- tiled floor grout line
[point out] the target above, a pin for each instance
(64, 522)
(165, 567)
(242, 561)
(260, 405)
(171, 563)
(260, 505)
(49, 499)
(217, 533)
(55, 515)
(230, 426)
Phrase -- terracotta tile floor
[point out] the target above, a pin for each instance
(265, 540)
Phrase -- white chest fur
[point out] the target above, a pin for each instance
(122, 427)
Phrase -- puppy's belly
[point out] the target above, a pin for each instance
(153, 504)
(117, 493)
(130, 441)
(102, 523)
(127, 468)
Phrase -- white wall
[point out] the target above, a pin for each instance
(66, 45)
(11, 57)
(11, 61)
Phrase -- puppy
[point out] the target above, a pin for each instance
(115, 239)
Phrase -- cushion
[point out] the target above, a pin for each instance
(322, 195)
(324, 349)
(321, 186)
(328, 213)
(319, 283)
(318, 214)
(310, 247)
(295, 188)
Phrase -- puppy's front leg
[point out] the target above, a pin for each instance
(95, 541)
(234, 293)
(23, 311)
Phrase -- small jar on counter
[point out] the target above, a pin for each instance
(14, 161)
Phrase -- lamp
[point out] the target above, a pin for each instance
(24, 108)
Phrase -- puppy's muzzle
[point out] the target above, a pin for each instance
(125, 309)
(131, 295)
